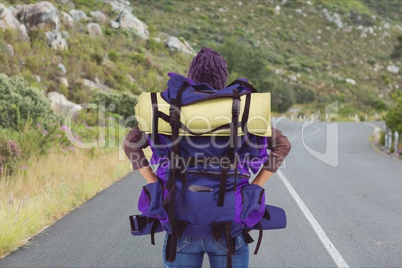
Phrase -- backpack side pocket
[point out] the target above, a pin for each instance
(253, 204)
(151, 200)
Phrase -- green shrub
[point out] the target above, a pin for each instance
(304, 94)
(348, 110)
(28, 76)
(88, 4)
(109, 32)
(271, 11)
(381, 141)
(369, 99)
(387, 80)
(204, 17)
(294, 4)
(8, 35)
(371, 61)
(79, 93)
(117, 103)
(169, 6)
(282, 94)
(97, 57)
(244, 60)
(393, 119)
(33, 64)
(63, 89)
(294, 64)
(154, 45)
(113, 56)
(137, 57)
(397, 53)
(19, 101)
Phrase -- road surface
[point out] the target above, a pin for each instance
(344, 209)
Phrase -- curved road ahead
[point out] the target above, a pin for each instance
(345, 215)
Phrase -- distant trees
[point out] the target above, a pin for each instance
(244, 61)
(304, 94)
(282, 94)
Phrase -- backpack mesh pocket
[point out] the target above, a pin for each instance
(253, 204)
(151, 200)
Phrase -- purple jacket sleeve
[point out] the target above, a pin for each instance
(280, 147)
(133, 144)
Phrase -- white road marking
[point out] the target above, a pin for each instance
(371, 125)
(329, 246)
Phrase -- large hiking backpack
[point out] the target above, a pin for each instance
(204, 142)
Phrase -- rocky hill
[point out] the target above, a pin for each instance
(306, 52)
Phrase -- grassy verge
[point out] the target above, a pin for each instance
(50, 187)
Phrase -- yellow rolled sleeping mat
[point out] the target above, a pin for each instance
(208, 115)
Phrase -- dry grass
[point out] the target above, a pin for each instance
(49, 188)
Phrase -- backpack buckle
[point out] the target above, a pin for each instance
(236, 103)
(137, 222)
(173, 116)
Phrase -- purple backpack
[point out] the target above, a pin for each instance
(203, 188)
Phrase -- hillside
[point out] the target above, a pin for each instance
(306, 52)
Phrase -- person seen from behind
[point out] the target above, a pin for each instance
(209, 67)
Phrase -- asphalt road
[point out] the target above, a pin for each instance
(345, 213)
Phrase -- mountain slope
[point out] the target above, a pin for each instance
(315, 52)
(318, 44)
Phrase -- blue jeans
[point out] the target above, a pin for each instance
(190, 253)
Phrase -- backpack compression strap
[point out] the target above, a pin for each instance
(246, 114)
(174, 115)
(259, 225)
(174, 120)
(177, 227)
(235, 132)
(225, 227)
(234, 135)
(155, 112)
(171, 244)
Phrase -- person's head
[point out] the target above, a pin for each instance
(209, 67)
